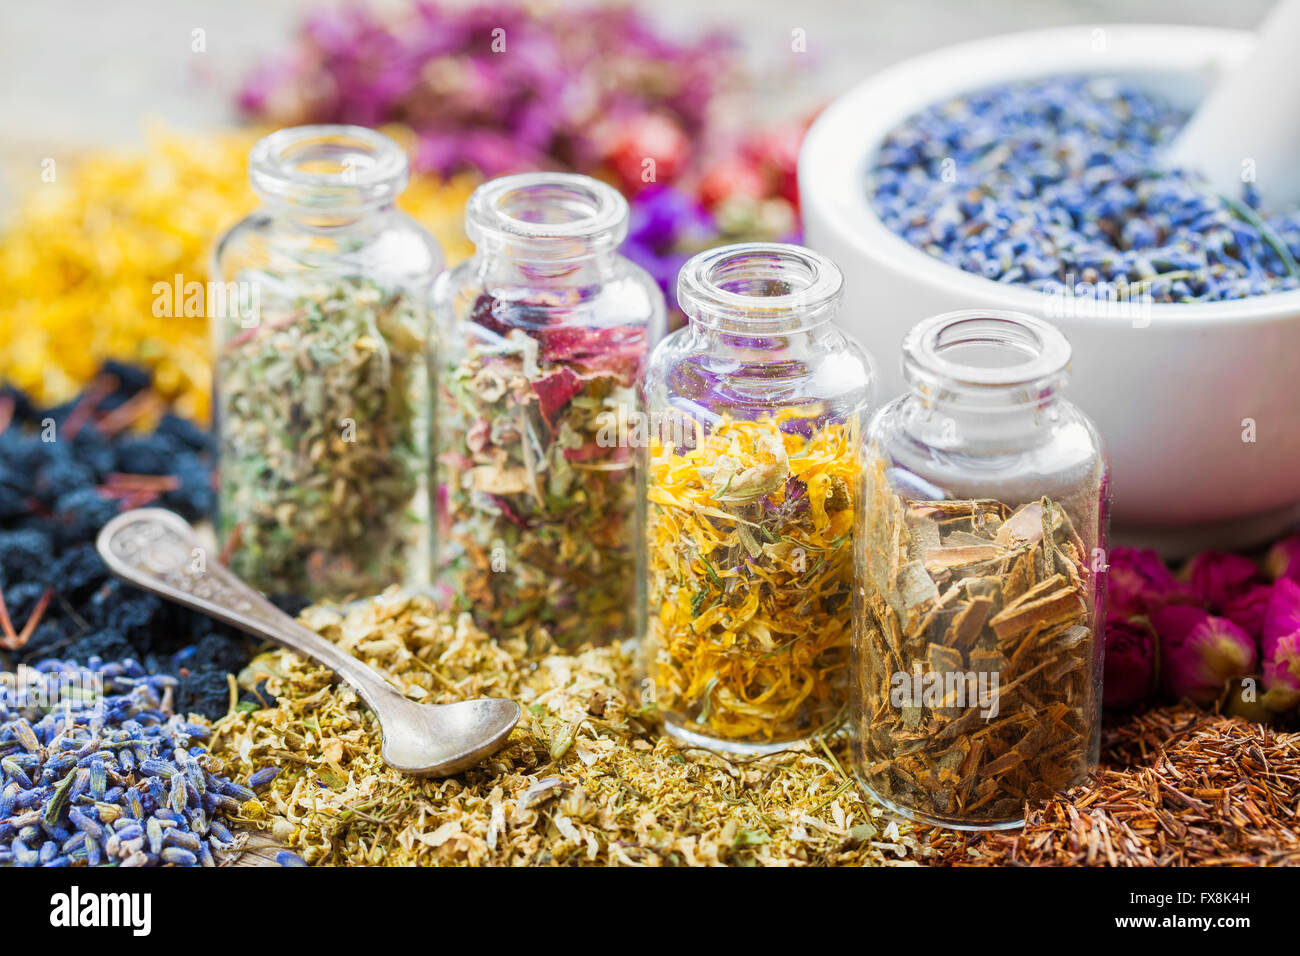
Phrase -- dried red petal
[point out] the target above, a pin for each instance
(556, 390)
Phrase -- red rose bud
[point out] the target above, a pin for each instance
(1283, 559)
(1139, 583)
(1131, 671)
(651, 136)
(730, 179)
(1200, 653)
(1248, 609)
(1217, 577)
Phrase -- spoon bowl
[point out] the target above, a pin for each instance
(157, 550)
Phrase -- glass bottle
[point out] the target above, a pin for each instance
(980, 563)
(756, 410)
(542, 339)
(322, 372)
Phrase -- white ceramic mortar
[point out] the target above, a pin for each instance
(1170, 388)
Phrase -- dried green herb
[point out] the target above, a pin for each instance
(587, 778)
(323, 441)
(977, 670)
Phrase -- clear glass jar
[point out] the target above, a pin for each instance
(980, 563)
(756, 410)
(542, 339)
(322, 370)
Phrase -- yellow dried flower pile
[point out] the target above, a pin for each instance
(586, 779)
(82, 254)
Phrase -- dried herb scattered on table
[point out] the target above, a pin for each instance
(1178, 787)
(956, 594)
(586, 779)
(750, 571)
(538, 508)
(323, 440)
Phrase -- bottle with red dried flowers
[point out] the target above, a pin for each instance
(980, 573)
(321, 325)
(542, 340)
(755, 412)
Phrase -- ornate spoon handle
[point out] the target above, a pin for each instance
(159, 551)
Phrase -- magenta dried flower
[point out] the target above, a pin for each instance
(1131, 664)
(1139, 583)
(1282, 671)
(1283, 559)
(499, 87)
(1280, 642)
(1218, 577)
(1201, 653)
(1283, 614)
(1248, 608)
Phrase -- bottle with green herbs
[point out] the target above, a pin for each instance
(321, 328)
(542, 338)
(980, 574)
(756, 410)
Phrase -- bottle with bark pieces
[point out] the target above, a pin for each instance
(980, 572)
(542, 338)
(756, 413)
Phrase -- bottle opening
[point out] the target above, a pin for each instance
(335, 168)
(986, 357)
(759, 288)
(547, 215)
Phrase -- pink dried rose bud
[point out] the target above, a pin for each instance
(1218, 577)
(1200, 653)
(1132, 663)
(1283, 559)
(1280, 642)
(1138, 582)
(1248, 608)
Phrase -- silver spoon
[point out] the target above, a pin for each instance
(159, 551)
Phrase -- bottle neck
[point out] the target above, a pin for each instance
(983, 381)
(328, 179)
(546, 230)
(953, 426)
(503, 264)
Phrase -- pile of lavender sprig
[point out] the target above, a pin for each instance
(95, 768)
(64, 472)
(1055, 183)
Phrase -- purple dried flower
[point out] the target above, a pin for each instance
(1132, 663)
(666, 227)
(1219, 577)
(1139, 583)
(1201, 653)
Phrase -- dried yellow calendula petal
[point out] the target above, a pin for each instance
(104, 261)
(750, 566)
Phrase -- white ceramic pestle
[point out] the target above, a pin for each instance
(1248, 128)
